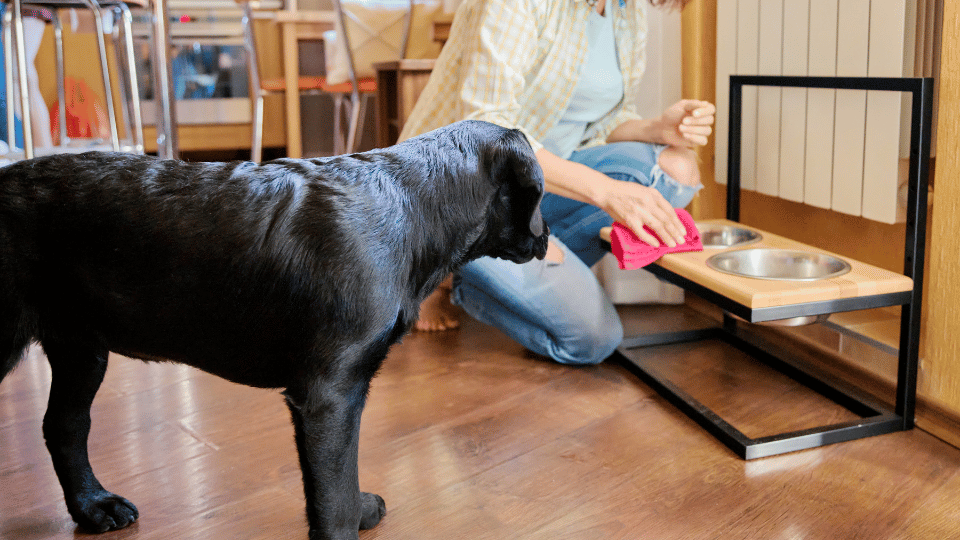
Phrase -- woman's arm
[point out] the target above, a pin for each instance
(685, 124)
(632, 204)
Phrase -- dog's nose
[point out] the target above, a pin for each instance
(537, 223)
(540, 244)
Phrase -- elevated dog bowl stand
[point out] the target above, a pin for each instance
(758, 300)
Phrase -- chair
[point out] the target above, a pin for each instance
(366, 33)
(260, 87)
(13, 36)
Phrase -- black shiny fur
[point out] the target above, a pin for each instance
(291, 274)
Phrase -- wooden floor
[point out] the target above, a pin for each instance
(468, 436)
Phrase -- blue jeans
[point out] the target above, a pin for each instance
(560, 310)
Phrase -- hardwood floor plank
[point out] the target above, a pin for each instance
(618, 470)
(453, 450)
(754, 398)
(466, 435)
(938, 517)
(858, 490)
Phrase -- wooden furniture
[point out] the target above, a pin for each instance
(292, 85)
(764, 297)
(399, 84)
(755, 301)
(296, 26)
(367, 33)
(440, 28)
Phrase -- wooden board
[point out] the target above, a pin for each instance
(862, 280)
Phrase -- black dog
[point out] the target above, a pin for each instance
(292, 274)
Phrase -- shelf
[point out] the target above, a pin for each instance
(760, 300)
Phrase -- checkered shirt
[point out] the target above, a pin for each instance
(516, 63)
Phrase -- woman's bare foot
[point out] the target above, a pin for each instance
(436, 311)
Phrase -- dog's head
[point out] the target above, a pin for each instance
(489, 185)
(516, 231)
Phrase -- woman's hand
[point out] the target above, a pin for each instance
(687, 123)
(636, 205)
(632, 204)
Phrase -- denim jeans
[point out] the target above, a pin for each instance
(560, 310)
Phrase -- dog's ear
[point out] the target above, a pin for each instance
(518, 167)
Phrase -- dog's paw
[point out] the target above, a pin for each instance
(103, 511)
(372, 510)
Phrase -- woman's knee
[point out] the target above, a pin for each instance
(680, 164)
(594, 343)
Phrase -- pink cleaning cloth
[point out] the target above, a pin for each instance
(632, 253)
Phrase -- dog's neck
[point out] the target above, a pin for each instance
(443, 234)
(445, 248)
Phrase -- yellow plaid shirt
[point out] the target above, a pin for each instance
(516, 63)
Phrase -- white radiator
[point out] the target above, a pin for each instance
(834, 149)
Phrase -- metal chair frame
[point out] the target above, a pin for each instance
(130, 94)
(353, 108)
(356, 107)
(257, 92)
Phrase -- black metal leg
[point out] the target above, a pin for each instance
(876, 419)
(669, 338)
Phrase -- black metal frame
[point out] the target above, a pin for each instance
(875, 418)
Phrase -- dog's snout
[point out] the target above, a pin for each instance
(540, 244)
(537, 223)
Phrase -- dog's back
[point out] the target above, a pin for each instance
(140, 254)
(217, 265)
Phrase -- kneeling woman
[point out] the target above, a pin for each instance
(566, 73)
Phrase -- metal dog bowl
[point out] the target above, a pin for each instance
(718, 236)
(779, 264)
(802, 320)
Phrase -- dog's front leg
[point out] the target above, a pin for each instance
(327, 429)
(77, 373)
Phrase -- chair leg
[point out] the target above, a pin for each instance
(134, 82)
(167, 144)
(105, 69)
(22, 79)
(120, 61)
(8, 75)
(256, 146)
(61, 79)
(338, 143)
(256, 89)
(132, 86)
(364, 104)
(356, 109)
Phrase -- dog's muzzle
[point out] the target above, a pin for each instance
(537, 223)
(540, 243)
(527, 248)
(540, 231)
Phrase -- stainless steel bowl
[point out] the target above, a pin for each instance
(792, 321)
(718, 236)
(778, 264)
